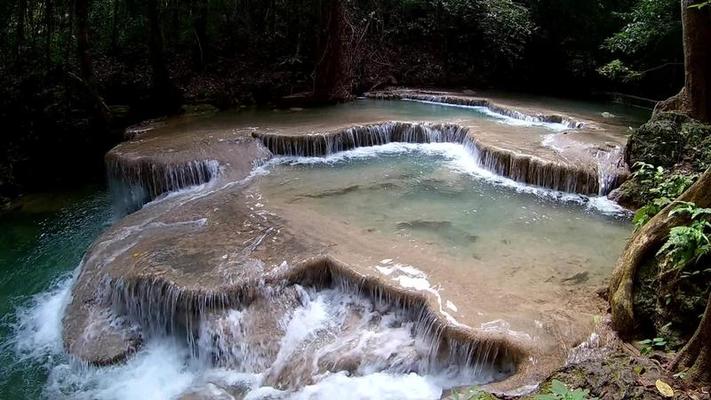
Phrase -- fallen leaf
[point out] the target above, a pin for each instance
(664, 389)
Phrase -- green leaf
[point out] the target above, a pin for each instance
(559, 387)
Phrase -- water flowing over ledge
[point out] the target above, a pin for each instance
(203, 263)
(447, 99)
(521, 168)
(151, 308)
(156, 178)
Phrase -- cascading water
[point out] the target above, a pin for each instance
(483, 105)
(610, 169)
(302, 336)
(136, 183)
(521, 168)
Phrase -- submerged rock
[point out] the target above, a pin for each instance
(420, 224)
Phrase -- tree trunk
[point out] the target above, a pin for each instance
(165, 96)
(87, 79)
(114, 27)
(200, 11)
(697, 59)
(695, 357)
(332, 75)
(81, 11)
(20, 33)
(644, 244)
(695, 98)
(49, 25)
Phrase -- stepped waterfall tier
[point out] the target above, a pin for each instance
(412, 245)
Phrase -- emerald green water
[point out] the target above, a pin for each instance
(40, 246)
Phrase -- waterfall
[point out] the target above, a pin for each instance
(612, 171)
(521, 168)
(319, 145)
(314, 317)
(135, 182)
(477, 103)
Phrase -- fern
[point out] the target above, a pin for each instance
(688, 243)
(661, 189)
(560, 391)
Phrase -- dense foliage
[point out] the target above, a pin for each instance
(65, 61)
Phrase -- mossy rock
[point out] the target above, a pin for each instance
(670, 140)
(672, 308)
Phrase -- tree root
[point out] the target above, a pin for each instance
(643, 244)
(695, 357)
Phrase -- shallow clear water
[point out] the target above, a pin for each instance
(369, 110)
(434, 195)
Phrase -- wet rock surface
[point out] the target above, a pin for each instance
(211, 247)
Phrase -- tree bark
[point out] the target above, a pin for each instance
(697, 59)
(20, 32)
(165, 96)
(695, 357)
(199, 12)
(644, 244)
(114, 27)
(87, 79)
(49, 26)
(81, 11)
(695, 98)
(332, 75)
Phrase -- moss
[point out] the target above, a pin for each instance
(670, 308)
(645, 298)
(617, 375)
(473, 393)
(659, 142)
(632, 194)
(671, 140)
(674, 141)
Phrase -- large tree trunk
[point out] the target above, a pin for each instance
(695, 98)
(114, 27)
(81, 11)
(644, 244)
(332, 75)
(697, 59)
(87, 80)
(21, 12)
(49, 26)
(696, 355)
(200, 31)
(165, 96)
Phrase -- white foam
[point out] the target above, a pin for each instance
(165, 368)
(410, 277)
(373, 386)
(508, 120)
(159, 371)
(38, 329)
(459, 159)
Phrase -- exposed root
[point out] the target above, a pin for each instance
(643, 244)
(695, 357)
